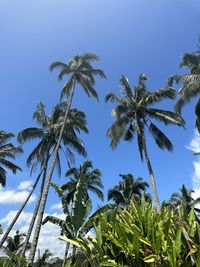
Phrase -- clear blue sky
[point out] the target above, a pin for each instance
(130, 36)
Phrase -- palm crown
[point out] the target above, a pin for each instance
(15, 243)
(81, 71)
(91, 177)
(190, 83)
(134, 113)
(127, 190)
(49, 131)
(7, 150)
(185, 199)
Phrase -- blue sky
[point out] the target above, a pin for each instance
(130, 36)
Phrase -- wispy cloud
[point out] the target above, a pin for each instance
(194, 146)
(25, 185)
(57, 206)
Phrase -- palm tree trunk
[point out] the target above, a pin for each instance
(66, 254)
(19, 211)
(46, 188)
(152, 177)
(30, 229)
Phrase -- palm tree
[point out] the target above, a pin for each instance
(185, 200)
(127, 190)
(7, 151)
(190, 83)
(92, 179)
(48, 135)
(14, 244)
(133, 115)
(81, 72)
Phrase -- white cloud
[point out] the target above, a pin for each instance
(57, 206)
(196, 195)
(25, 185)
(49, 236)
(14, 196)
(194, 146)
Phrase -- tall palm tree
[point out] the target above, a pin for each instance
(133, 115)
(50, 127)
(190, 83)
(47, 134)
(185, 199)
(92, 179)
(127, 190)
(7, 151)
(80, 72)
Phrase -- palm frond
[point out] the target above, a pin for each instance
(160, 138)
(30, 134)
(9, 165)
(67, 88)
(159, 95)
(117, 131)
(165, 116)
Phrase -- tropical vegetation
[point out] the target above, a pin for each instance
(131, 228)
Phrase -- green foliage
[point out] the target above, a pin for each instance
(80, 71)
(139, 236)
(190, 83)
(7, 151)
(185, 200)
(48, 133)
(13, 260)
(128, 189)
(133, 116)
(91, 180)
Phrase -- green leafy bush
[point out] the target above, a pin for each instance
(139, 236)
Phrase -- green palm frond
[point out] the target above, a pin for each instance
(87, 86)
(40, 116)
(165, 116)
(7, 151)
(2, 176)
(117, 131)
(160, 95)
(29, 134)
(160, 138)
(126, 88)
(67, 88)
(58, 64)
(54, 220)
(9, 165)
(190, 82)
(5, 137)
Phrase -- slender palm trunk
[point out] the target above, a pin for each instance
(30, 229)
(66, 254)
(152, 177)
(19, 211)
(46, 188)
